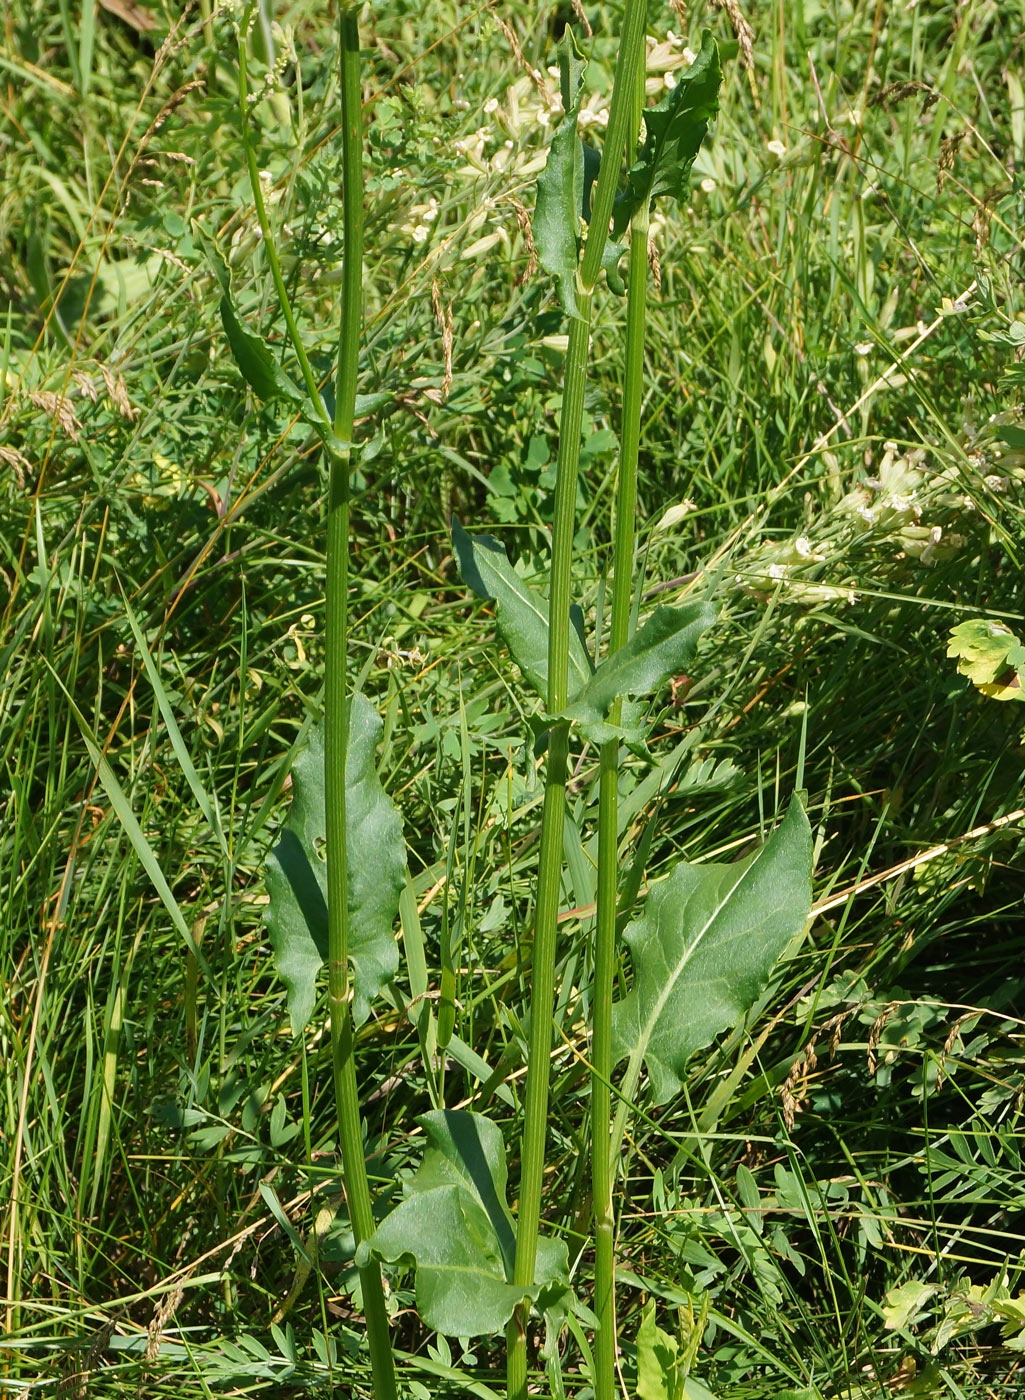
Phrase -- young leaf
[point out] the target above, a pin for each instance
(297, 874)
(674, 131)
(522, 614)
(560, 186)
(455, 1226)
(991, 656)
(704, 947)
(660, 649)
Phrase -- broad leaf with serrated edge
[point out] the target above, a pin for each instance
(297, 874)
(455, 1226)
(522, 614)
(560, 186)
(674, 131)
(660, 649)
(704, 947)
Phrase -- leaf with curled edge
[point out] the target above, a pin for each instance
(455, 1226)
(674, 131)
(296, 874)
(560, 186)
(704, 947)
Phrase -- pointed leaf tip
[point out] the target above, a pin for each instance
(704, 947)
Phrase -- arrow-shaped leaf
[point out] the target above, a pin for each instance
(703, 950)
(674, 131)
(560, 186)
(297, 874)
(660, 649)
(522, 614)
(456, 1227)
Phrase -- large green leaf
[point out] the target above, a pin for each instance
(560, 186)
(704, 947)
(522, 614)
(455, 1226)
(660, 649)
(297, 874)
(674, 131)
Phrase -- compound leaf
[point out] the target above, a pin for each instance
(455, 1226)
(704, 947)
(297, 874)
(991, 656)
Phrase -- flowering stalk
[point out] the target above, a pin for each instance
(553, 815)
(338, 435)
(608, 808)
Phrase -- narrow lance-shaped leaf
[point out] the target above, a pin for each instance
(297, 874)
(455, 1226)
(258, 366)
(704, 947)
(560, 186)
(521, 612)
(660, 649)
(674, 131)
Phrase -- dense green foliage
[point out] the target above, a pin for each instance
(831, 441)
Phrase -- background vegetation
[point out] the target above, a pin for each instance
(833, 414)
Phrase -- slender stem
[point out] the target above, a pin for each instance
(553, 815)
(602, 1173)
(336, 718)
(309, 379)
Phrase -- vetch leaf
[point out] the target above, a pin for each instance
(297, 874)
(521, 612)
(991, 656)
(455, 1226)
(660, 649)
(674, 131)
(704, 947)
(560, 186)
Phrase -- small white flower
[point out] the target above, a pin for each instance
(689, 57)
(777, 149)
(708, 184)
(491, 106)
(670, 80)
(863, 347)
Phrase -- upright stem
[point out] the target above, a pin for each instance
(553, 815)
(608, 817)
(336, 719)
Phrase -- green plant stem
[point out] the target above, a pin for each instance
(553, 815)
(336, 715)
(309, 378)
(602, 1171)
